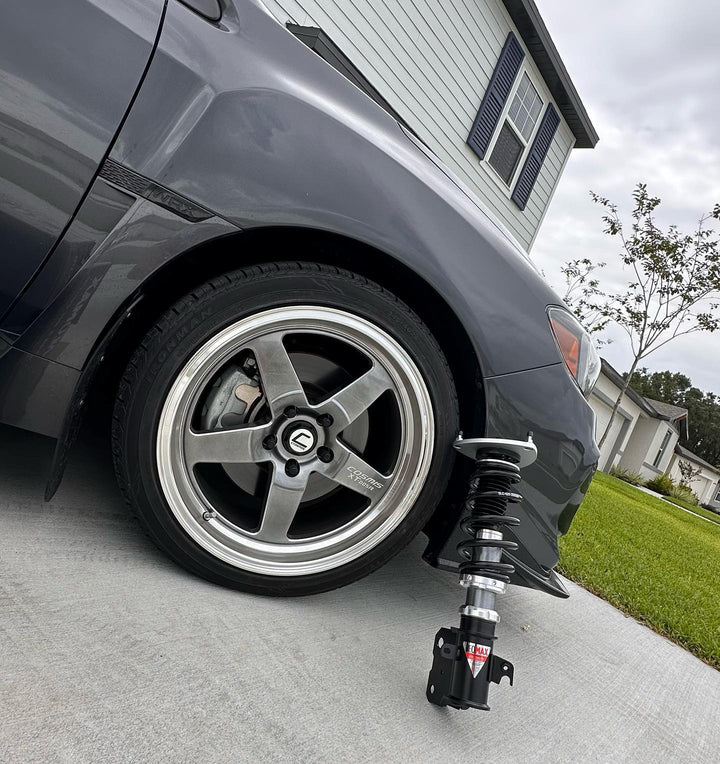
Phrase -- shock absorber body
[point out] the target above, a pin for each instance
(464, 663)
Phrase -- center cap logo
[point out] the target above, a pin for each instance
(300, 439)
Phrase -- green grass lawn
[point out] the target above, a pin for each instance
(697, 510)
(655, 562)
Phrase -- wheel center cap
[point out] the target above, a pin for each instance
(300, 438)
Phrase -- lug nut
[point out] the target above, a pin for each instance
(290, 412)
(292, 468)
(325, 420)
(270, 442)
(325, 454)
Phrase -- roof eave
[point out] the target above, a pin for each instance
(536, 37)
(688, 454)
(615, 377)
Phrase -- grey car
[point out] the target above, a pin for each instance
(290, 306)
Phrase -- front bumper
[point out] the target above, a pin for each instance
(547, 402)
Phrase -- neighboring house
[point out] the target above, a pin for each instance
(479, 82)
(644, 436)
(706, 485)
(644, 432)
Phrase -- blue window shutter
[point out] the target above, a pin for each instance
(536, 156)
(495, 96)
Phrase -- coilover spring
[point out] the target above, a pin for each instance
(464, 659)
(489, 493)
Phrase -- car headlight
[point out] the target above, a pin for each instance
(576, 348)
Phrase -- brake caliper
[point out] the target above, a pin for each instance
(235, 397)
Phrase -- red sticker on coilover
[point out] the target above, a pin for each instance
(476, 656)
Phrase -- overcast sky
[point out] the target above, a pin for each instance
(648, 72)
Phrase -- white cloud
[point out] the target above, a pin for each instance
(648, 73)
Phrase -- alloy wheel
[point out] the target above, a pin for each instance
(295, 440)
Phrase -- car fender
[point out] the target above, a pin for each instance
(243, 119)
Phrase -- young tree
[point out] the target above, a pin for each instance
(675, 286)
(688, 472)
(583, 295)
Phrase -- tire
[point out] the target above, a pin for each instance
(285, 429)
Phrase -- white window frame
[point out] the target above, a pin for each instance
(494, 174)
(663, 447)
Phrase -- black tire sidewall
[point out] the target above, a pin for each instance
(201, 315)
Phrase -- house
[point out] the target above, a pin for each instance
(644, 436)
(479, 82)
(706, 485)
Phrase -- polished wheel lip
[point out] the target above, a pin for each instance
(343, 545)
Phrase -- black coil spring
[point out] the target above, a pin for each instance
(490, 492)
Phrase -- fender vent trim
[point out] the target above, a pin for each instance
(138, 185)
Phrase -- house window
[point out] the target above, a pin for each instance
(663, 446)
(506, 153)
(508, 117)
(717, 498)
(525, 107)
(517, 128)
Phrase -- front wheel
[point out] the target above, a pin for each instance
(285, 429)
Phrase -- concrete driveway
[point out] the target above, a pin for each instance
(109, 652)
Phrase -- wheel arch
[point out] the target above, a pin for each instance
(263, 245)
(252, 247)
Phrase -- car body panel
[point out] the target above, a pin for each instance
(100, 213)
(68, 72)
(34, 392)
(244, 120)
(247, 121)
(548, 403)
(145, 239)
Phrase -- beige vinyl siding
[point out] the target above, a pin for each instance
(432, 61)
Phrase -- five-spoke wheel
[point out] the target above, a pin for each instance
(295, 441)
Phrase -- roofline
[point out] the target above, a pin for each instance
(688, 454)
(618, 380)
(536, 37)
(684, 418)
(634, 396)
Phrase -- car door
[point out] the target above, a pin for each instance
(68, 73)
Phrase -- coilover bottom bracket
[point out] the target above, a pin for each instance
(464, 663)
